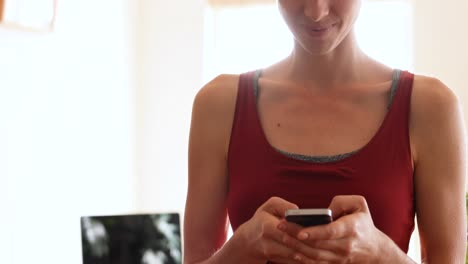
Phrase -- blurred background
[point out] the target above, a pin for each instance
(95, 110)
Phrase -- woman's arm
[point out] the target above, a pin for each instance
(439, 154)
(205, 219)
(205, 222)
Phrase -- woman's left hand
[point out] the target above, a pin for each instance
(351, 238)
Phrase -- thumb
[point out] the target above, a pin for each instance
(277, 206)
(342, 205)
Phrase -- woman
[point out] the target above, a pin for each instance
(325, 127)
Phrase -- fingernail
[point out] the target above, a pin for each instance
(303, 236)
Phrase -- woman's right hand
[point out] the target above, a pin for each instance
(262, 239)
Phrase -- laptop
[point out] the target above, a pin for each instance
(131, 239)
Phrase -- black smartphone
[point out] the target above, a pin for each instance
(309, 217)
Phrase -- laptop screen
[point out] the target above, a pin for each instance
(131, 239)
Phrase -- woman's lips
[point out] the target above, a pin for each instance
(318, 31)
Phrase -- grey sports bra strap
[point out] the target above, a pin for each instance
(395, 79)
(255, 84)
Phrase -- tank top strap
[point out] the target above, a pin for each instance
(400, 108)
(245, 124)
(405, 86)
(396, 131)
(246, 102)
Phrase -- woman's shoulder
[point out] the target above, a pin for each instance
(218, 95)
(435, 111)
(431, 97)
(431, 90)
(213, 111)
(220, 87)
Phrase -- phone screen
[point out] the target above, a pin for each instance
(309, 220)
(309, 217)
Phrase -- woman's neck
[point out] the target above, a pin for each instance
(342, 65)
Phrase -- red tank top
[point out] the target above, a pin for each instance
(381, 171)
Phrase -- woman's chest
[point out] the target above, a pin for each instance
(321, 126)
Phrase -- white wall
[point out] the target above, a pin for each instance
(170, 58)
(441, 42)
(67, 130)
